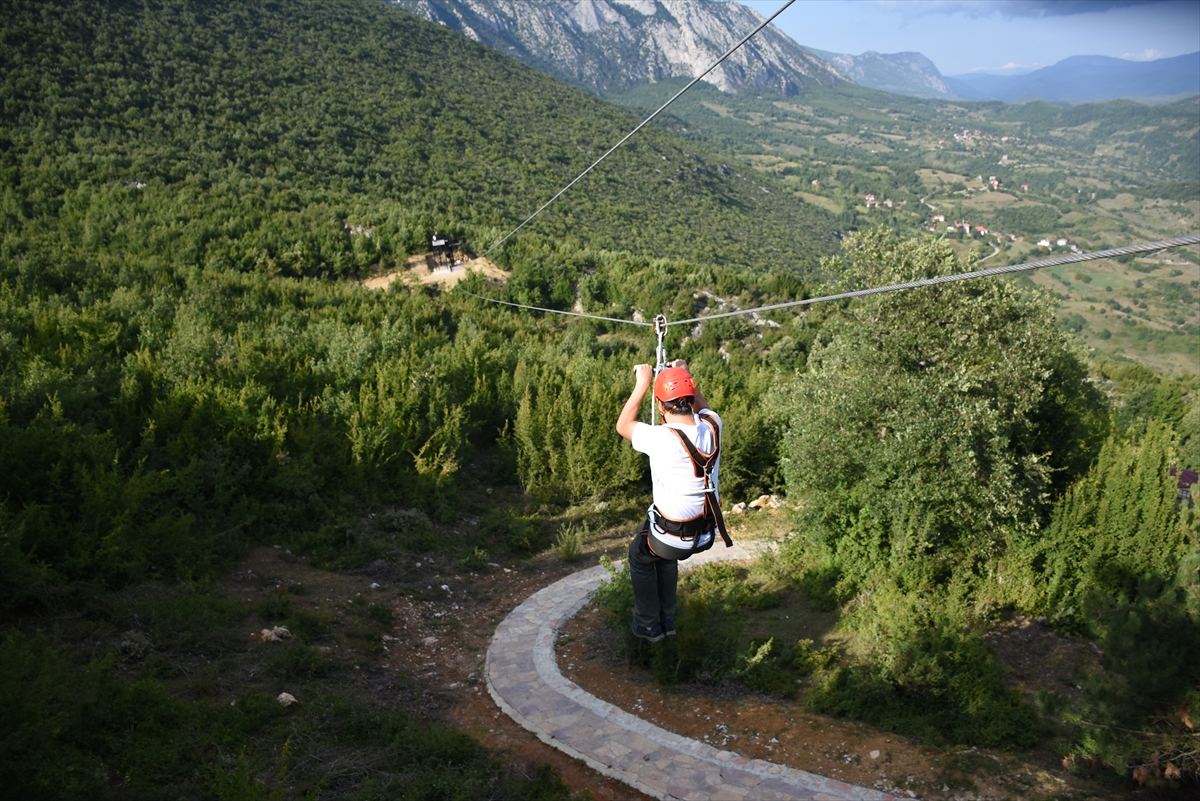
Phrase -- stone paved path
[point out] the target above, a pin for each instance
(523, 678)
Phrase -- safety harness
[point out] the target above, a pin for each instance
(703, 465)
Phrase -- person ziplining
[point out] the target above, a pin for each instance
(685, 516)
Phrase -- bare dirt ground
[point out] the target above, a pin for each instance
(424, 269)
(431, 662)
(781, 731)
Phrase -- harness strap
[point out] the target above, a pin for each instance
(702, 465)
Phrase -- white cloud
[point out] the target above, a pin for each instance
(1007, 9)
(1146, 55)
(1011, 66)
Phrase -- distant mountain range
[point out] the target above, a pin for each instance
(602, 45)
(900, 73)
(612, 45)
(1087, 78)
(1078, 79)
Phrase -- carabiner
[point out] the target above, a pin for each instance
(660, 355)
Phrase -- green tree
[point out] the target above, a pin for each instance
(932, 424)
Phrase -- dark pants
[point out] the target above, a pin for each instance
(654, 581)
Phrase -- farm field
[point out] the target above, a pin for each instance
(1096, 176)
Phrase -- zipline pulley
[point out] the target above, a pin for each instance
(660, 358)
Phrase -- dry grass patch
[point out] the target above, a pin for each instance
(988, 201)
(827, 203)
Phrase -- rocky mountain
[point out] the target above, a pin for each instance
(901, 73)
(1087, 78)
(602, 45)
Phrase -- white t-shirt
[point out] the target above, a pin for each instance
(678, 494)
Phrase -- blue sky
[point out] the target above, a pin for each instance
(993, 35)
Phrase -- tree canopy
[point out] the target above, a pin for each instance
(934, 423)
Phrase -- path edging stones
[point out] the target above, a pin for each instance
(524, 680)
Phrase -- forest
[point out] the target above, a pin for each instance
(189, 369)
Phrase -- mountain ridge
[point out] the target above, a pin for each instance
(602, 45)
(906, 73)
(1087, 79)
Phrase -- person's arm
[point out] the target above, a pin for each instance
(628, 419)
(699, 404)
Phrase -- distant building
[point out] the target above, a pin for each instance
(869, 197)
(816, 182)
(1025, 187)
(939, 218)
(982, 230)
(1062, 243)
(887, 203)
(1043, 243)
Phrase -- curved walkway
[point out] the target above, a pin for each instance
(523, 678)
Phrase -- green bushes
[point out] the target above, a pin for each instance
(928, 439)
(942, 687)
(709, 622)
(1119, 563)
(83, 733)
(562, 429)
(1111, 530)
(934, 423)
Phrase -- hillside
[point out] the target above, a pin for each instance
(259, 521)
(382, 115)
(614, 44)
(1096, 175)
(187, 379)
(900, 73)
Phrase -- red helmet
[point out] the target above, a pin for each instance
(672, 383)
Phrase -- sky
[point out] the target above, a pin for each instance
(1003, 36)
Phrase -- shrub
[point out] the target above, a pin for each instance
(569, 541)
(942, 687)
(410, 528)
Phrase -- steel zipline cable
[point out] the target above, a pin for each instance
(641, 125)
(556, 311)
(1128, 250)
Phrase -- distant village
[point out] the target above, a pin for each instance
(967, 135)
(937, 221)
